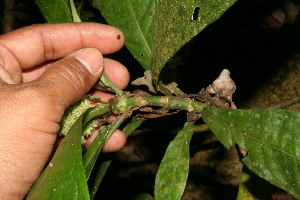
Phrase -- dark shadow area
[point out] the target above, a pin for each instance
(23, 13)
(240, 42)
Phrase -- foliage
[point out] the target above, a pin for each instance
(270, 137)
(64, 181)
(135, 19)
(153, 36)
(52, 10)
(172, 174)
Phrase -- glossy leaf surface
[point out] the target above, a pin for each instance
(135, 19)
(173, 171)
(64, 177)
(55, 11)
(271, 138)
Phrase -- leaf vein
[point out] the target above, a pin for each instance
(139, 28)
(238, 131)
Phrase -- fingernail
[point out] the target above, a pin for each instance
(92, 60)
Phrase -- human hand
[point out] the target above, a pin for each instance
(34, 95)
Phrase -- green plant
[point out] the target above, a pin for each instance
(153, 36)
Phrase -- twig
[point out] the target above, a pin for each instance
(128, 103)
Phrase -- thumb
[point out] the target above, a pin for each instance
(70, 78)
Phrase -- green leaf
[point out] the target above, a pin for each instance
(177, 22)
(173, 171)
(128, 129)
(55, 11)
(101, 171)
(64, 177)
(134, 18)
(91, 155)
(156, 29)
(134, 123)
(271, 138)
(104, 81)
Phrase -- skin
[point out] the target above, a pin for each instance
(41, 74)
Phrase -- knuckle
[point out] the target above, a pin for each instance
(75, 76)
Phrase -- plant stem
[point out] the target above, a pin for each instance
(98, 110)
(128, 103)
(128, 129)
(106, 82)
(75, 15)
(100, 175)
(93, 151)
(133, 125)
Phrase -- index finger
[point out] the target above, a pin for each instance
(33, 45)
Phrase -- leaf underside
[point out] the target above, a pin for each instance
(173, 171)
(271, 138)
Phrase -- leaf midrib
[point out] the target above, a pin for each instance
(256, 140)
(139, 28)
